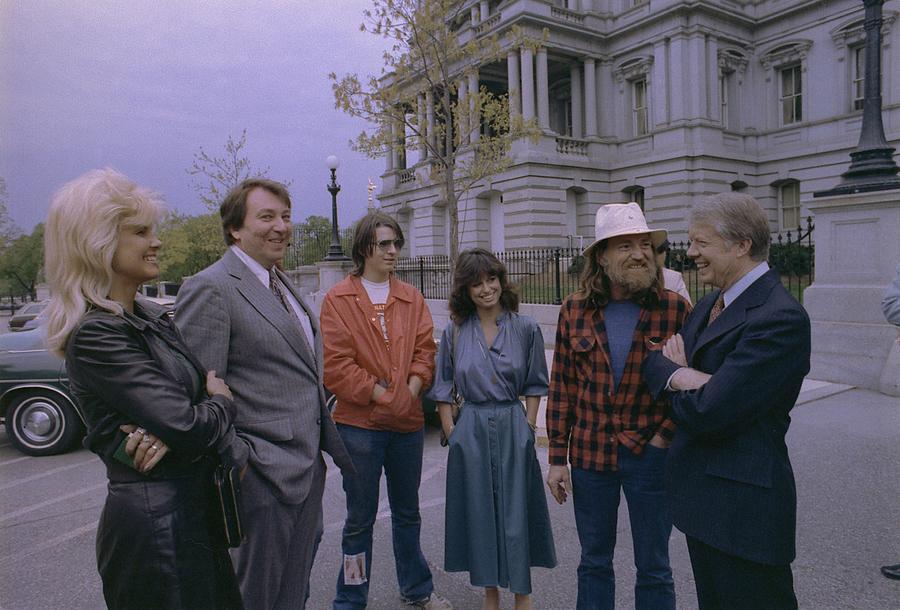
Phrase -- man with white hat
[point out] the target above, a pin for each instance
(601, 418)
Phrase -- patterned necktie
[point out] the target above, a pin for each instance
(717, 308)
(275, 287)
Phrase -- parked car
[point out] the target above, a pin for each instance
(26, 313)
(40, 416)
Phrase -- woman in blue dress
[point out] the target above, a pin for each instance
(497, 524)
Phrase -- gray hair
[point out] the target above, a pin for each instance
(736, 217)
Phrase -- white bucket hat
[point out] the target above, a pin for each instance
(622, 219)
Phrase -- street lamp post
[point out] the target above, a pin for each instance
(872, 166)
(335, 253)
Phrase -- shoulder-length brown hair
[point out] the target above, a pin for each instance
(364, 238)
(471, 267)
(595, 287)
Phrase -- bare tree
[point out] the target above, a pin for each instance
(214, 176)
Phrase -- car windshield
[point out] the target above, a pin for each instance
(26, 339)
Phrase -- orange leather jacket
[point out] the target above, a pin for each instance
(357, 357)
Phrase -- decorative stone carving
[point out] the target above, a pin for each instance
(784, 54)
(634, 68)
(731, 60)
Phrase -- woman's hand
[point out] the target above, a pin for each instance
(217, 385)
(445, 412)
(144, 448)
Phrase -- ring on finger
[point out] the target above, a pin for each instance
(146, 438)
(140, 431)
(154, 446)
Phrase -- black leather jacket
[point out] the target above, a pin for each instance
(135, 369)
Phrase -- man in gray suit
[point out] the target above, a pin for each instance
(242, 318)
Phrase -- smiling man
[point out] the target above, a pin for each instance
(733, 375)
(243, 319)
(600, 415)
(379, 354)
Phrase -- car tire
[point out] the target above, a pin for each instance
(42, 423)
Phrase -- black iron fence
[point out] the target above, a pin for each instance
(548, 275)
(792, 253)
(10, 302)
(543, 275)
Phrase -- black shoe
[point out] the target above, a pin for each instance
(892, 572)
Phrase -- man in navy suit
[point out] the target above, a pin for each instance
(733, 375)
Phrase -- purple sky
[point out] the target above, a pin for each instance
(141, 86)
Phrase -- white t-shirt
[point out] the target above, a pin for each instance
(378, 295)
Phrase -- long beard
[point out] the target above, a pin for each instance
(635, 281)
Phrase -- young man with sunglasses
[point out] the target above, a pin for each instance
(379, 355)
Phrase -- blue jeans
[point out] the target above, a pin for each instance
(596, 499)
(400, 456)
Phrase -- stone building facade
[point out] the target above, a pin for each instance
(658, 101)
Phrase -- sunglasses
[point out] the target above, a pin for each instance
(384, 244)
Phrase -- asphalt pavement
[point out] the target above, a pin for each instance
(845, 449)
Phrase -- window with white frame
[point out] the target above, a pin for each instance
(791, 95)
(785, 71)
(858, 76)
(633, 78)
(732, 66)
(639, 106)
(789, 205)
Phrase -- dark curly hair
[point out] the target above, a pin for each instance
(471, 267)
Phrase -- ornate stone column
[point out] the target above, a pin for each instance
(422, 125)
(395, 148)
(474, 115)
(513, 88)
(527, 83)
(429, 118)
(575, 80)
(590, 97)
(543, 89)
(462, 106)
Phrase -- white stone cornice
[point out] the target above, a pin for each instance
(786, 53)
(854, 33)
(633, 68)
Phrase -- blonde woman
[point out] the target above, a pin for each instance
(128, 367)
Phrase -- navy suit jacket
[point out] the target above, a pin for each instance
(728, 474)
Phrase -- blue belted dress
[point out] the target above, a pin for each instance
(497, 526)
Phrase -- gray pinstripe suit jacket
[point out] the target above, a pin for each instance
(237, 327)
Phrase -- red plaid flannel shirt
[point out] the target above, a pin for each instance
(586, 417)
